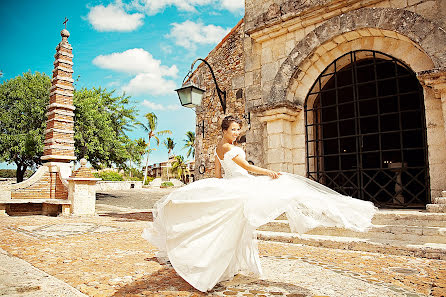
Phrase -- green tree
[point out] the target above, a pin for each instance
(23, 102)
(170, 145)
(102, 121)
(190, 143)
(136, 149)
(180, 168)
(150, 128)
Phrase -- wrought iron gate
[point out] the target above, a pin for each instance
(366, 132)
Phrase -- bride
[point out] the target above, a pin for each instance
(207, 228)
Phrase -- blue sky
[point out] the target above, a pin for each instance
(142, 47)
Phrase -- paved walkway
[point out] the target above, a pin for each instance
(19, 278)
(104, 255)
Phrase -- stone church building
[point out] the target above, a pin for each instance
(350, 93)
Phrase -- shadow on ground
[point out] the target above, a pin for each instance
(104, 196)
(166, 282)
(132, 216)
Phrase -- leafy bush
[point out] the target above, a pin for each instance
(11, 173)
(136, 174)
(8, 173)
(149, 180)
(109, 175)
(166, 184)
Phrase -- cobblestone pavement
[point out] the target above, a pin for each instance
(105, 255)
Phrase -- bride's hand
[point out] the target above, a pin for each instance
(273, 174)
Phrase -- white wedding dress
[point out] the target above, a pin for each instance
(206, 228)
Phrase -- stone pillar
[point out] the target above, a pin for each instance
(435, 79)
(59, 134)
(281, 149)
(82, 191)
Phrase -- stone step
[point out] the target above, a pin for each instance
(440, 200)
(416, 234)
(404, 218)
(394, 247)
(436, 208)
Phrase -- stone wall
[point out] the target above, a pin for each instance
(261, 14)
(289, 43)
(41, 185)
(118, 185)
(227, 62)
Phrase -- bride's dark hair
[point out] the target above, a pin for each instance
(227, 122)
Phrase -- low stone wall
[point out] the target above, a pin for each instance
(118, 185)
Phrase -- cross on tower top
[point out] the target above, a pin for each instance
(65, 22)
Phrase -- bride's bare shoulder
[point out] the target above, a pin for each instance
(223, 148)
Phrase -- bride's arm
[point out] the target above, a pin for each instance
(254, 169)
(217, 168)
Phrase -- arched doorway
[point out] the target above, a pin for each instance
(365, 130)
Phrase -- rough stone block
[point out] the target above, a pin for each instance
(436, 173)
(269, 71)
(289, 46)
(249, 79)
(298, 141)
(82, 194)
(274, 141)
(266, 89)
(252, 92)
(238, 82)
(299, 156)
(299, 169)
(435, 138)
(275, 156)
(275, 166)
(440, 200)
(275, 127)
(441, 208)
(288, 156)
(267, 56)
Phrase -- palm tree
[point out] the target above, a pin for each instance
(180, 168)
(150, 128)
(190, 143)
(169, 144)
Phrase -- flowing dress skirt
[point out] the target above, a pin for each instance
(206, 228)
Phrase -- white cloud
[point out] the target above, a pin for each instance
(150, 75)
(233, 5)
(156, 106)
(134, 61)
(167, 49)
(114, 18)
(149, 83)
(188, 34)
(154, 6)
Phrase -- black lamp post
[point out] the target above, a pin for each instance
(190, 95)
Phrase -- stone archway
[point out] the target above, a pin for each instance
(397, 46)
(365, 130)
(404, 35)
(393, 27)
